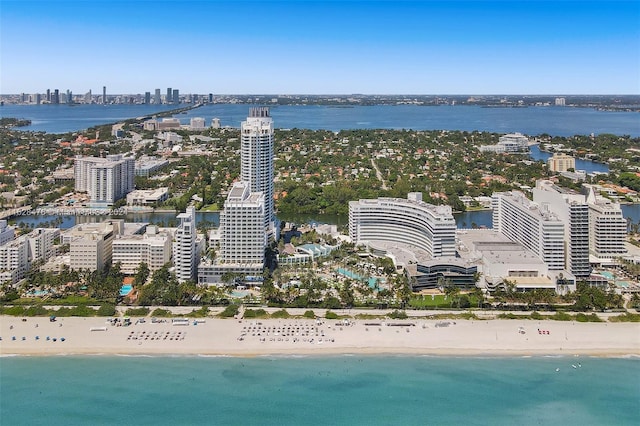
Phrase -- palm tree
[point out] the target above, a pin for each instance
(452, 292)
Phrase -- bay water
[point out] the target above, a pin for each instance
(331, 390)
(555, 121)
(466, 220)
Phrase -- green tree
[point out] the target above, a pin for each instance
(142, 274)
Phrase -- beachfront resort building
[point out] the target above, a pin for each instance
(153, 248)
(533, 225)
(106, 180)
(419, 237)
(42, 243)
(256, 160)
(243, 239)
(595, 228)
(607, 229)
(409, 221)
(14, 260)
(501, 261)
(17, 255)
(572, 209)
(90, 244)
(185, 255)
(247, 222)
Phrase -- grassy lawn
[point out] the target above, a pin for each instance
(210, 208)
(438, 301)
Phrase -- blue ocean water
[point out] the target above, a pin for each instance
(333, 390)
(557, 121)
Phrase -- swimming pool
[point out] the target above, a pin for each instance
(125, 289)
(608, 275)
(348, 273)
(371, 281)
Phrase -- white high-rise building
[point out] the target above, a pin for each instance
(14, 260)
(17, 255)
(411, 221)
(90, 244)
(247, 223)
(257, 140)
(7, 233)
(607, 227)
(530, 224)
(106, 180)
(572, 209)
(41, 243)
(152, 248)
(243, 239)
(185, 255)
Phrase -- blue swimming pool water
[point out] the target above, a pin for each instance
(125, 289)
(608, 275)
(373, 282)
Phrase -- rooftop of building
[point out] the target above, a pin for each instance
(149, 193)
(440, 210)
(533, 208)
(493, 247)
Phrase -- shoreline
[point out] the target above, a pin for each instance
(318, 338)
(374, 354)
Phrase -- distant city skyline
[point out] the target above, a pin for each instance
(332, 47)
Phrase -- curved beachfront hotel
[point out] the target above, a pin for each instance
(417, 236)
(411, 221)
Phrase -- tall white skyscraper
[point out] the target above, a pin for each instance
(247, 220)
(257, 140)
(185, 257)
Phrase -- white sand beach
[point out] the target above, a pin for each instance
(232, 337)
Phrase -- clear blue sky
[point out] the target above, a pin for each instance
(331, 47)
